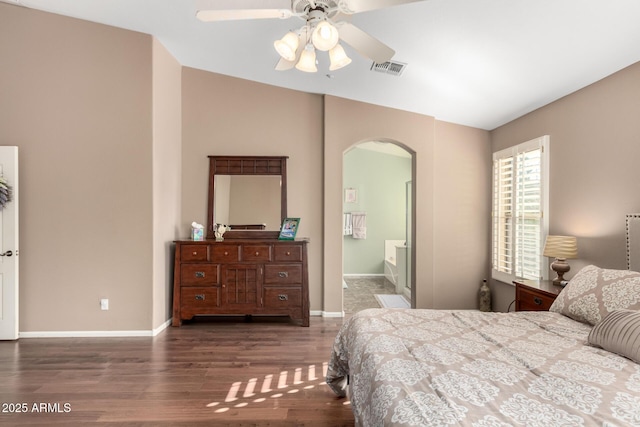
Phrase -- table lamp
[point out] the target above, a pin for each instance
(561, 248)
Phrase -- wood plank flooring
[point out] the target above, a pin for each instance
(213, 372)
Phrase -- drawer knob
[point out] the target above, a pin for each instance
(195, 253)
(537, 301)
(200, 297)
(257, 253)
(288, 253)
(283, 274)
(283, 297)
(200, 274)
(226, 253)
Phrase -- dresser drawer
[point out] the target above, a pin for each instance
(198, 300)
(531, 300)
(194, 253)
(226, 253)
(282, 297)
(292, 253)
(200, 274)
(282, 274)
(256, 253)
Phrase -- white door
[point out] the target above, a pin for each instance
(9, 246)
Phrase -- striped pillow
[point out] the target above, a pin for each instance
(619, 333)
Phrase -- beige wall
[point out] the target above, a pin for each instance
(348, 123)
(595, 147)
(114, 137)
(167, 138)
(76, 100)
(228, 116)
(462, 212)
(452, 167)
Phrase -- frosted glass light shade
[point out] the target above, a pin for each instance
(325, 36)
(307, 62)
(338, 58)
(287, 46)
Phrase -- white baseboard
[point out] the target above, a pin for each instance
(364, 275)
(84, 334)
(142, 333)
(320, 313)
(95, 334)
(162, 327)
(333, 314)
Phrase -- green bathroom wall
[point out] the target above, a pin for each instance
(380, 180)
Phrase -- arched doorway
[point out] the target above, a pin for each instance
(377, 226)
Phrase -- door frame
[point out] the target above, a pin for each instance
(9, 295)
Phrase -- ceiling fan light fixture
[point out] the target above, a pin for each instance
(307, 62)
(338, 58)
(325, 36)
(287, 46)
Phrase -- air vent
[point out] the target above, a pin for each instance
(390, 67)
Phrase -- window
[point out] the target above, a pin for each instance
(520, 198)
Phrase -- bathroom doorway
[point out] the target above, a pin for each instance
(377, 226)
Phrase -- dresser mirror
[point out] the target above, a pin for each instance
(247, 193)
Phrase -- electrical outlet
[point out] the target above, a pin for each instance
(104, 304)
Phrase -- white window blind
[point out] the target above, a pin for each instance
(520, 194)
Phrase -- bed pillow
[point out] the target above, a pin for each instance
(595, 292)
(619, 333)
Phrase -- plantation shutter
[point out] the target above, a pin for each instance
(503, 214)
(519, 200)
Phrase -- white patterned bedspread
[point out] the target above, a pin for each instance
(438, 368)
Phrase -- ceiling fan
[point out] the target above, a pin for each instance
(327, 23)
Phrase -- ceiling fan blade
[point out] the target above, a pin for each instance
(228, 10)
(356, 6)
(339, 17)
(365, 44)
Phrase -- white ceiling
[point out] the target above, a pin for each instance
(480, 63)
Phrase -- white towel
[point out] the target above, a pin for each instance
(359, 223)
(347, 227)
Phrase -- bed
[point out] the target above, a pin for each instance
(576, 365)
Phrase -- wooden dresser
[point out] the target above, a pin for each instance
(246, 277)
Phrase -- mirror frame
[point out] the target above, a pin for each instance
(247, 165)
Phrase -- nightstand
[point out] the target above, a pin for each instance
(535, 295)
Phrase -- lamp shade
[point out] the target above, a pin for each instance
(562, 247)
(287, 46)
(325, 36)
(338, 58)
(307, 62)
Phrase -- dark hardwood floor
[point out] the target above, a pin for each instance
(213, 372)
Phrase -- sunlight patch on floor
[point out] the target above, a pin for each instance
(299, 381)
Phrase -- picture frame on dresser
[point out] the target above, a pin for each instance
(289, 229)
